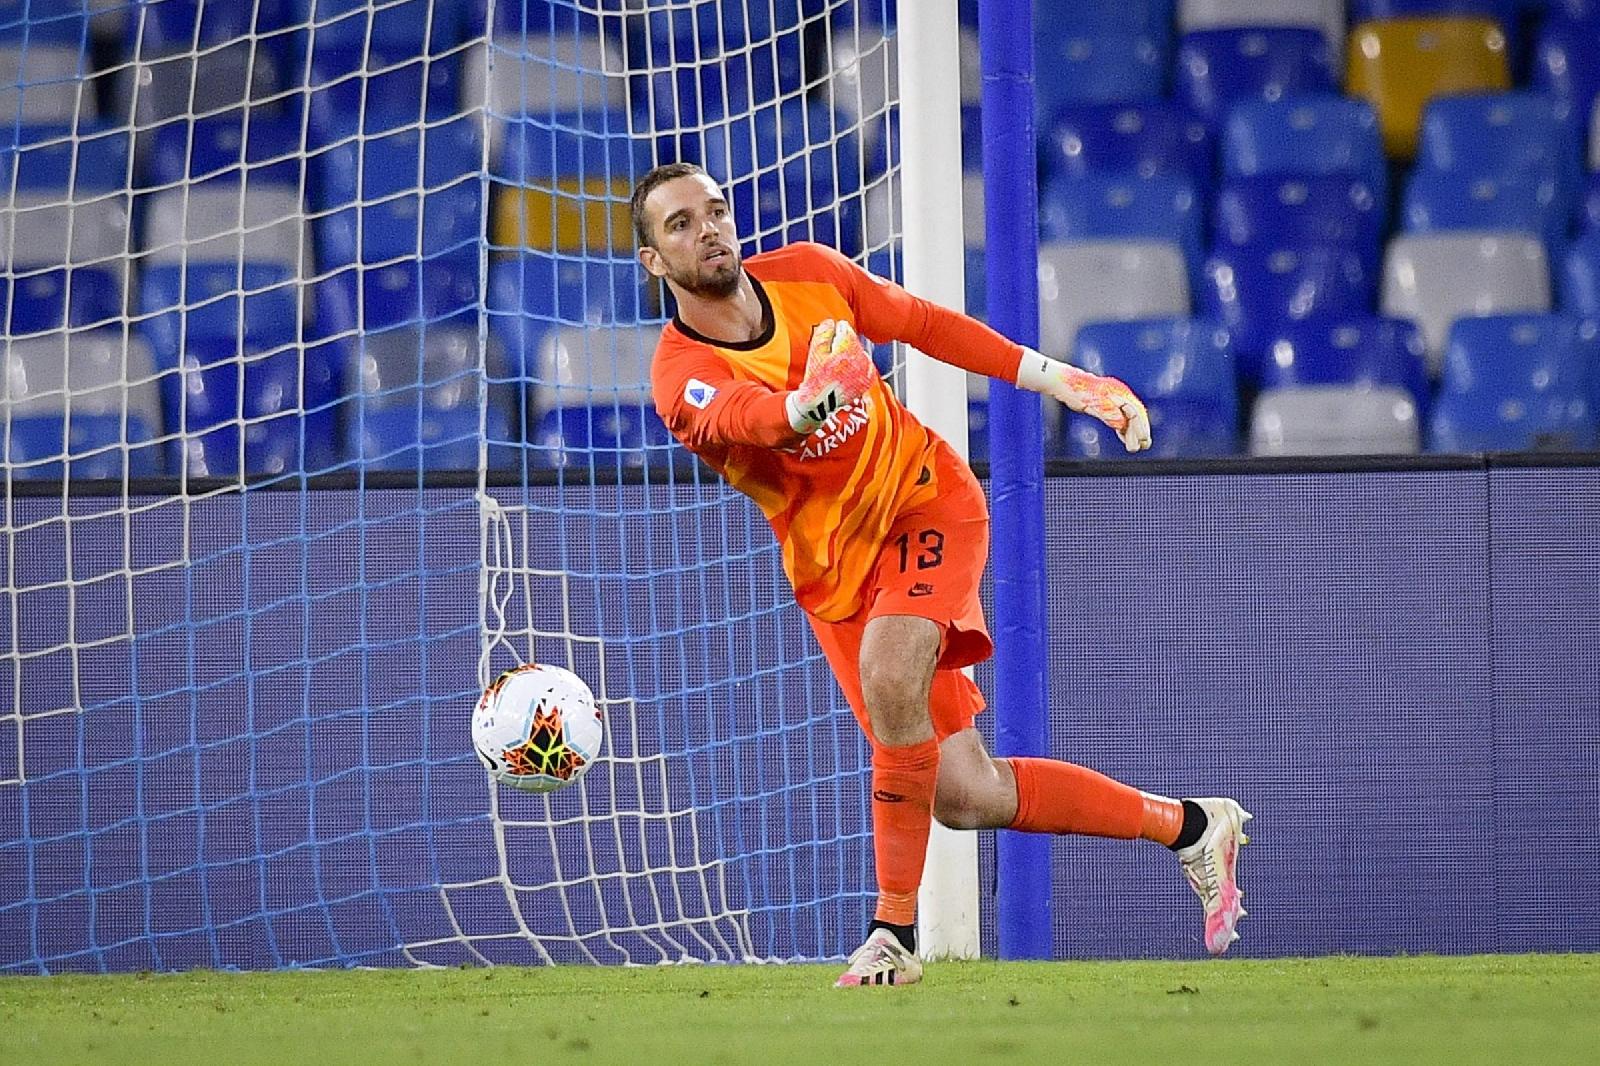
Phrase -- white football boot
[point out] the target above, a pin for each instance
(881, 960)
(1211, 865)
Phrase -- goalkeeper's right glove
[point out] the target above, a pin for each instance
(838, 373)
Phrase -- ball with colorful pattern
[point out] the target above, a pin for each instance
(537, 728)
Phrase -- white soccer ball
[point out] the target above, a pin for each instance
(537, 728)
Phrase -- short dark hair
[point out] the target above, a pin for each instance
(647, 185)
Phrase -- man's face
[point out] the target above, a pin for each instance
(696, 246)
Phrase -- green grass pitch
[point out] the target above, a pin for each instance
(1535, 1009)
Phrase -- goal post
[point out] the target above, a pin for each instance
(934, 265)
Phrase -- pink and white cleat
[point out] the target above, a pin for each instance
(1210, 864)
(881, 960)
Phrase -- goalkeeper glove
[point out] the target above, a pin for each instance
(838, 373)
(1104, 398)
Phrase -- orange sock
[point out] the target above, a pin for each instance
(902, 810)
(1060, 797)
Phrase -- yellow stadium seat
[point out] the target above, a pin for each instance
(570, 215)
(1399, 64)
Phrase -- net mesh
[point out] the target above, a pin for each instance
(274, 270)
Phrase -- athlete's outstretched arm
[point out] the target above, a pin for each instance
(887, 312)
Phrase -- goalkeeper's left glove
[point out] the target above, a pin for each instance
(1104, 398)
(838, 373)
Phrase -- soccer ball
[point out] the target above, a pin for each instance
(537, 728)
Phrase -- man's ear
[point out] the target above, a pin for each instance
(650, 259)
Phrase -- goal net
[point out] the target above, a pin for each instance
(325, 400)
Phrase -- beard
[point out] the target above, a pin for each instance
(722, 281)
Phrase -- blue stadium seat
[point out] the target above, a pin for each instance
(1217, 69)
(96, 446)
(1505, 12)
(1092, 18)
(43, 22)
(83, 158)
(1516, 383)
(1105, 68)
(534, 293)
(1358, 350)
(1096, 207)
(1287, 211)
(1567, 64)
(1438, 202)
(260, 148)
(1257, 292)
(58, 297)
(793, 171)
(407, 27)
(355, 91)
(1497, 135)
(1580, 276)
(593, 144)
(1589, 210)
(1183, 370)
(1319, 134)
(1131, 138)
(419, 194)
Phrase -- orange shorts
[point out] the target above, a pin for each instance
(930, 567)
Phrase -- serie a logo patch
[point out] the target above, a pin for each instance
(698, 393)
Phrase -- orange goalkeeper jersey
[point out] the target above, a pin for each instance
(830, 496)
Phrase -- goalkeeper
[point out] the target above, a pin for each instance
(885, 534)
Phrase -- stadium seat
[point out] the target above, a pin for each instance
(43, 84)
(1500, 135)
(1516, 383)
(1141, 139)
(539, 72)
(224, 221)
(1567, 65)
(1106, 68)
(1258, 291)
(591, 399)
(64, 236)
(1313, 420)
(1399, 65)
(567, 182)
(406, 27)
(418, 191)
(1439, 202)
(1433, 279)
(1091, 18)
(1094, 207)
(1357, 350)
(110, 379)
(533, 294)
(242, 146)
(1282, 212)
(1580, 276)
(793, 172)
(41, 300)
(1219, 68)
(54, 23)
(190, 57)
(1091, 281)
(1325, 16)
(1182, 369)
(354, 90)
(416, 401)
(1505, 13)
(1318, 134)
